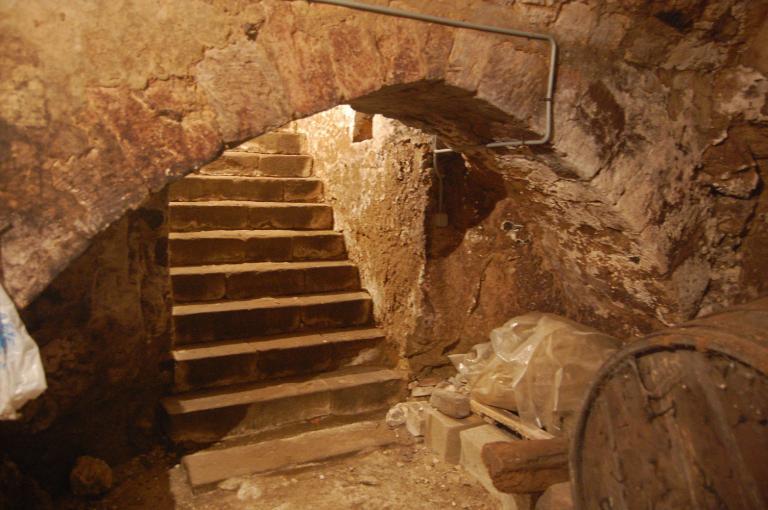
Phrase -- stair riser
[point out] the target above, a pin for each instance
(225, 423)
(190, 190)
(191, 252)
(208, 467)
(277, 143)
(191, 217)
(230, 325)
(255, 367)
(260, 165)
(254, 284)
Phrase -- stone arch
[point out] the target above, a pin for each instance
(109, 146)
(94, 119)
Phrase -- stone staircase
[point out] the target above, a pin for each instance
(275, 348)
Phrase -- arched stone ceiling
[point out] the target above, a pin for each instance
(102, 104)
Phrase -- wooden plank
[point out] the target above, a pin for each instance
(510, 420)
(522, 467)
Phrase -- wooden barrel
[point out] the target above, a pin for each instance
(679, 420)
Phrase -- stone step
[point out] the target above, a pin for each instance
(260, 279)
(243, 215)
(236, 246)
(265, 189)
(207, 467)
(278, 142)
(229, 320)
(234, 411)
(263, 358)
(265, 165)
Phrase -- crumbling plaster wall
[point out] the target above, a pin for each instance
(436, 289)
(647, 203)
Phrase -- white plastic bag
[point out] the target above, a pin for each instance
(21, 371)
(410, 414)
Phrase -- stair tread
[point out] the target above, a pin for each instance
(249, 178)
(268, 302)
(213, 465)
(226, 461)
(274, 342)
(244, 234)
(246, 267)
(228, 396)
(248, 203)
(235, 153)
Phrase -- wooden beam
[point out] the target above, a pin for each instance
(510, 420)
(527, 466)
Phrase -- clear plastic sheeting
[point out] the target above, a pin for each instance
(21, 371)
(539, 365)
(471, 365)
(410, 414)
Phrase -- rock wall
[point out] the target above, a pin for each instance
(103, 327)
(436, 289)
(103, 106)
(648, 207)
(379, 190)
(482, 269)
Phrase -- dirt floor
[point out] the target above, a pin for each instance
(398, 477)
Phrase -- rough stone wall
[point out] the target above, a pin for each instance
(103, 329)
(436, 289)
(648, 205)
(379, 190)
(482, 269)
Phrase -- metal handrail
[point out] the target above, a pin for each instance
(388, 11)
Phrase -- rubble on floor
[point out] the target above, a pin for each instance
(505, 417)
(394, 478)
(450, 402)
(90, 477)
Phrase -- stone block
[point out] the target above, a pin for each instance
(213, 414)
(320, 246)
(253, 284)
(442, 434)
(294, 216)
(338, 315)
(472, 442)
(222, 364)
(253, 280)
(278, 165)
(302, 190)
(202, 187)
(276, 143)
(209, 326)
(228, 320)
(198, 287)
(187, 251)
(210, 466)
(234, 163)
(330, 278)
(451, 403)
(194, 216)
(219, 247)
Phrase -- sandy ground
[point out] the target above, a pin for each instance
(398, 477)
